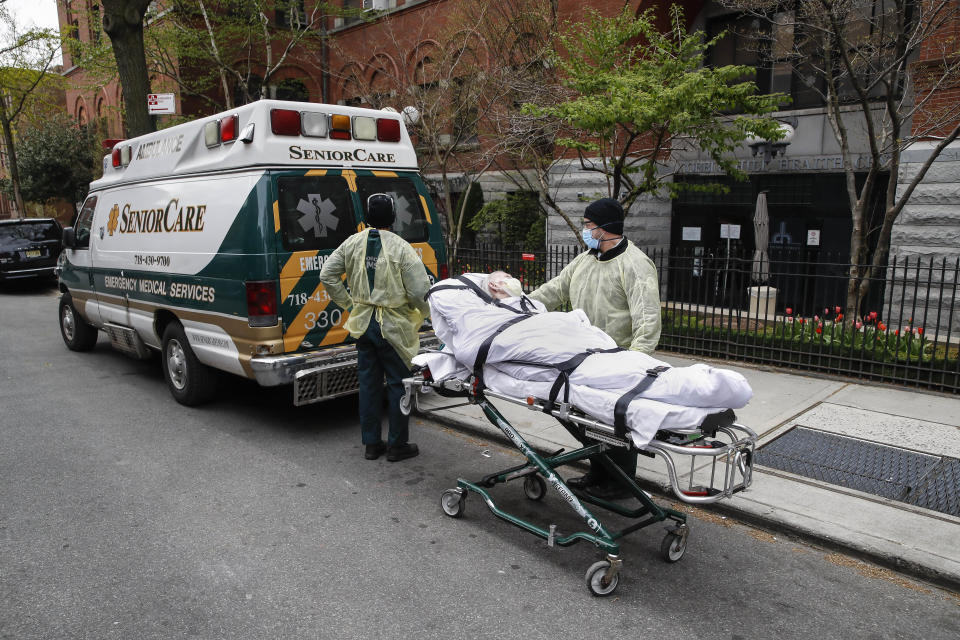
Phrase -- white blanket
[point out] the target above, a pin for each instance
(518, 358)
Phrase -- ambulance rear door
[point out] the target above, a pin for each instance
(415, 222)
(313, 212)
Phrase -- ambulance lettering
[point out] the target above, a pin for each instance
(357, 155)
(312, 263)
(171, 219)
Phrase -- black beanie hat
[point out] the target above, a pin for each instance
(380, 211)
(607, 214)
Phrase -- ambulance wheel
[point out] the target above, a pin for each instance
(453, 503)
(534, 487)
(191, 382)
(596, 578)
(673, 546)
(77, 334)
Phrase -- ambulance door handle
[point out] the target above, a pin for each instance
(101, 233)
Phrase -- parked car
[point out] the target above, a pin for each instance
(29, 248)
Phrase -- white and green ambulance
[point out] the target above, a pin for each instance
(204, 242)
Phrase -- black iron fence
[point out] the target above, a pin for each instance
(789, 310)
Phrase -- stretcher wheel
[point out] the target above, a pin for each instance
(673, 546)
(453, 502)
(534, 487)
(595, 579)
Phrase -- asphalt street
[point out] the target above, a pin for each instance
(126, 515)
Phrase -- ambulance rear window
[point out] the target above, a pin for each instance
(315, 212)
(411, 224)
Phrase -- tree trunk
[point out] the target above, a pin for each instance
(11, 157)
(123, 22)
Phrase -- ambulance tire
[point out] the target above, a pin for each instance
(191, 382)
(76, 333)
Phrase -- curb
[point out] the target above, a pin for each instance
(911, 568)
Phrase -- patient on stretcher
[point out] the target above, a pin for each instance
(490, 329)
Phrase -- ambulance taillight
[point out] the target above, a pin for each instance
(115, 157)
(340, 127)
(388, 130)
(285, 122)
(228, 128)
(262, 303)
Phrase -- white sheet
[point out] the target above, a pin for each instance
(680, 398)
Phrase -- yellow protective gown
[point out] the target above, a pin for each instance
(397, 300)
(621, 295)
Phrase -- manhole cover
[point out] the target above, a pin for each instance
(920, 479)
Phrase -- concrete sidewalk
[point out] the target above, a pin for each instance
(917, 541)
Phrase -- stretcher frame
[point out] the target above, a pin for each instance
(734, 456)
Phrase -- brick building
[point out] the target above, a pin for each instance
(804, 182)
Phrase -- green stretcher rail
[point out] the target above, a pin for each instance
(724, 451)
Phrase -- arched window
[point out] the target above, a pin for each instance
(292, 89)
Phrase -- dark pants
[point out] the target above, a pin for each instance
(376, 358)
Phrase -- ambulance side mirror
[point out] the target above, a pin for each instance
(69, 238)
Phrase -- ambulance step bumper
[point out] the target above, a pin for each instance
(126, 340)
(325, 382)
(318, 375)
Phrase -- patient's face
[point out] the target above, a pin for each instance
(495, 284)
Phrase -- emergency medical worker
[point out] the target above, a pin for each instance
(388, 284)
(616, 285)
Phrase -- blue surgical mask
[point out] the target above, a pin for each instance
(589, 240)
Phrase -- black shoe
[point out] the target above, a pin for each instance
(583, 482)
(402, 452)
(374, 451)
(608, 491)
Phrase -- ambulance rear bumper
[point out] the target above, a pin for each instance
(318, 375)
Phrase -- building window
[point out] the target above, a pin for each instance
(773, 50)
(291, 14)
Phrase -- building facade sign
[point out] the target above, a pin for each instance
(822, 163)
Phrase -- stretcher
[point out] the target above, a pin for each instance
(719, 451)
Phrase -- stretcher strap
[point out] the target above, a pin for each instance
(485, 349)
(486, 297)
(568, 367)
(441, 287)
(620, 410)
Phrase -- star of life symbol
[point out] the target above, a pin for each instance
(114, 216)
(317, 215)
(404, 210)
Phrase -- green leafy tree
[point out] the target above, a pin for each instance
(518, 219)
(637, 94)
(55, 160)
(25, 57)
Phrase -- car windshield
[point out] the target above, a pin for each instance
(28, 231)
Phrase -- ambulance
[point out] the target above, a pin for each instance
(204, 242)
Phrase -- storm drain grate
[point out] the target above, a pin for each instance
(920, 479)
(940, 491)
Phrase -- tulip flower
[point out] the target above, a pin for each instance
(896, 332)
(819, 330)
(789, 311)
(837, 309)
(858, 325)
(873, 315)
(839, 316)
(882, 326)
(816, 318)
(801, 320)
(920, 331)
(826, 311)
